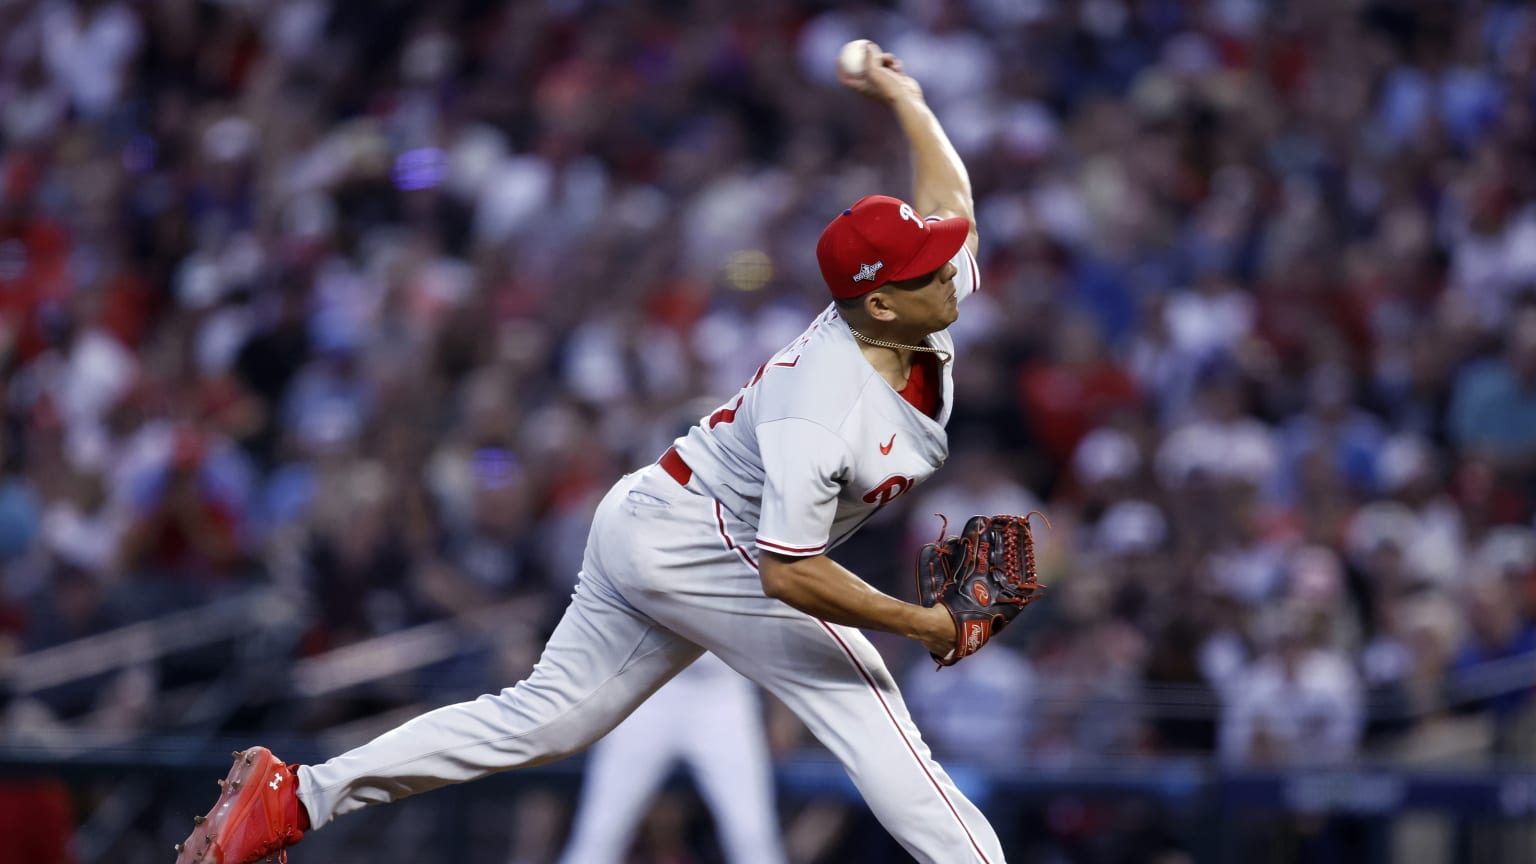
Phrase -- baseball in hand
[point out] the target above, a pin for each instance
(854, 57)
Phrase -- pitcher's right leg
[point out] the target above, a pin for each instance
(837, 684)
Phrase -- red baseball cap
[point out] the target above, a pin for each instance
(882, 239)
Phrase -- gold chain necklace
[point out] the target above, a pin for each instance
(944, 356)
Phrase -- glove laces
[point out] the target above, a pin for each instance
(1012, 550)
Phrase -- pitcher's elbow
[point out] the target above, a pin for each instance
(775, 583)
(778, 575)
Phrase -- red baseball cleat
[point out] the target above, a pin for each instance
(257, 816)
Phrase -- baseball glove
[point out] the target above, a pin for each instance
(984, 577)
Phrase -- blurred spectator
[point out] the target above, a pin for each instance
(1344, 438)
(75, 606)
(1299, 703)
(1422, 524)
(359, 564)
(87, 45)
(1405, 666)
(1498, 630)
(1222, 443)
(189, 506)
(973, 484)
(1088, 673)
(945, 708)
(37, 813)
(39, 822)
(1493, 408)
(1079, 387)
(19, 507)
(81, 529)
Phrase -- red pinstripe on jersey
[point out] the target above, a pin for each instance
(789, 550)
(870, 680)
(726, 535)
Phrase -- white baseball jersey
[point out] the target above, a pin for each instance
(818, 441)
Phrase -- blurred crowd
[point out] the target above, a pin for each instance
(372, 299)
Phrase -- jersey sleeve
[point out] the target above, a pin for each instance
(968, 279)
(802, 466)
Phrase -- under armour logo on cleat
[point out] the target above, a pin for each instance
(867, 271)
(277, 780)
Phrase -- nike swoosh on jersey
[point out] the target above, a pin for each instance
(885, 449)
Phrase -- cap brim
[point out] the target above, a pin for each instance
(945, 237)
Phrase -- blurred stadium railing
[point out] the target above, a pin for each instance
(141, 789)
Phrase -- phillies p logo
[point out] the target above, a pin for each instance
(888, 489)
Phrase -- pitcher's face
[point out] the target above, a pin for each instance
(929, 302)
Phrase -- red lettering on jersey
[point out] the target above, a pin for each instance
(725, 415)
(888, 489)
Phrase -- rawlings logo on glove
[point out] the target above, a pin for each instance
(984, 577)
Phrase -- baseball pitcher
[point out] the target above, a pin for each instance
(720, 546)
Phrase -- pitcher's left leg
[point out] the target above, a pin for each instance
(838, 685)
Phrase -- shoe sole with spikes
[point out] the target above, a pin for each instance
(237, 796)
